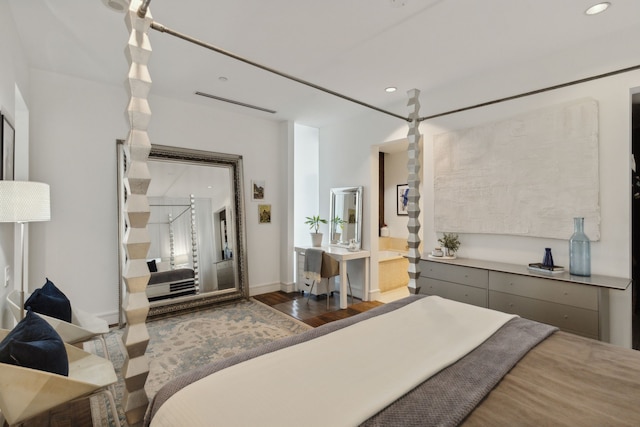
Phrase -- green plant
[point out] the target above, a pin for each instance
(314, 222)
(450, 241)
(339, 221)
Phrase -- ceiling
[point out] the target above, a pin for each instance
(354, 47)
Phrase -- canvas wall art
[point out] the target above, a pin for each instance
(528, 175)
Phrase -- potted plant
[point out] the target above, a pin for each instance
(314, 223)
(337, 222)
(450, 244)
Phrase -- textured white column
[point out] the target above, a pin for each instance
(172, 244)
(194, 242)
(136, 239)
(413, 207)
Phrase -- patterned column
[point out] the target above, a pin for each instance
(172, 244)
(136, 212)
(413, 180)
(194, 242)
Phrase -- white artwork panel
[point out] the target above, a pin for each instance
(529, 175)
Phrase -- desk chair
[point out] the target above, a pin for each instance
(83, 327)
(330, 268)
(26, 392)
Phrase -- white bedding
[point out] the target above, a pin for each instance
(340, 379)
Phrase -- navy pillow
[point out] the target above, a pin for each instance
(153, 267)
(50, 301)
(34, 344)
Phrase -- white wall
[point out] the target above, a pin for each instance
(349, 158)
(13, 79)
(75, 124)
(610, 256)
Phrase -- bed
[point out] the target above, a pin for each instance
(171, 284)
(516, 372)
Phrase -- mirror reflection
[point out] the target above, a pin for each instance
(345, 211)
(190, 236)
(195, 229)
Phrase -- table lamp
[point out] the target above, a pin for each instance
(21, 202)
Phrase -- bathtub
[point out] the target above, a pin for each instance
(393, 269)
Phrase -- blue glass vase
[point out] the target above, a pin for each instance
(579, 250)
(547, 261)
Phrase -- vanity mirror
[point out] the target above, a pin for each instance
(345, 210)
(196, 228)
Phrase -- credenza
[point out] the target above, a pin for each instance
(574, 304)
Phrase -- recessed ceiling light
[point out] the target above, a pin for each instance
(223, 78)
(390, 89)
(598, 8)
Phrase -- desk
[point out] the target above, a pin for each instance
(342, 255)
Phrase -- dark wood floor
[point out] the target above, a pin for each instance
(312, 311)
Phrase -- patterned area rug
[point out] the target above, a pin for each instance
(180, 343)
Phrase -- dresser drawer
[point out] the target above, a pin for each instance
(453, 291)
(545, 289)
(571, 319)
(476, 277)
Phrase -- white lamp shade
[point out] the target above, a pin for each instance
(24, 201)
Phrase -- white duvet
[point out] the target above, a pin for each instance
(340, 379)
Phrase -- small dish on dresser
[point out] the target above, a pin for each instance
(442, 257)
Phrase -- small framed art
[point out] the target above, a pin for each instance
(257, 190)
(403, 199)
(264, 214)
(8, 142)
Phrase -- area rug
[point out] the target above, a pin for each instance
(180, 343)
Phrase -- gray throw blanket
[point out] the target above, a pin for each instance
(313, 263)
(445, 399)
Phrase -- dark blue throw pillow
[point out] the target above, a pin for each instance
(34, 344)
(50, 301)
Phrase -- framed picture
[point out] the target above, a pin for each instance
(264, 214)
(257, 190)
(403, 199)
(8, 142)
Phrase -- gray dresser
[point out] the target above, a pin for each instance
(575, 304)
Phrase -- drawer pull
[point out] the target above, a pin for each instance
(510, 304)
(566, 317)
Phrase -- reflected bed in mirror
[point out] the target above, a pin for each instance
(345, 210)
(196, 229)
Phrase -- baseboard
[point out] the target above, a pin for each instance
(288, 287)
(374, 295)
(265, 288)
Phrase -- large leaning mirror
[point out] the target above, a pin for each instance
(196, 228)
(345, 210)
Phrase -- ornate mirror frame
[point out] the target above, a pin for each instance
(203, 158)
(352, 218)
